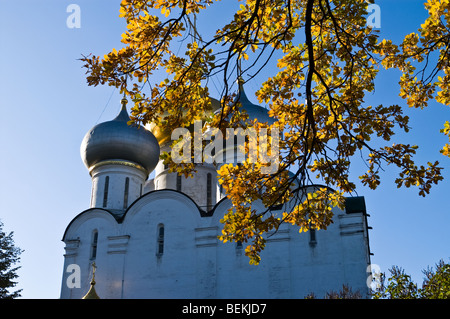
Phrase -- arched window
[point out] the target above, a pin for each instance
(125, 195)
(160, 240)
(179, 183)
(208, 191)
(94, 241)
(239, 248)
(312, 237)
(105, 192)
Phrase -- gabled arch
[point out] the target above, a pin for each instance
(89, 214)
(156, 195)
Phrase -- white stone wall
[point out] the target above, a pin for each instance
(195, 264)
(195, 187)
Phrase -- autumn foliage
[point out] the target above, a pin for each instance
(328, 61)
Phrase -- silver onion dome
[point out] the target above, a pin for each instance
(116, 140)
(254, 111)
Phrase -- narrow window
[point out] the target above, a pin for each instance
(312, 237)
(105, 191)
(94, 244)
(179, 183)
(160, 241)
(221, 195)
(140, 192)
(92, 194)
(208, 191)
(125, 195)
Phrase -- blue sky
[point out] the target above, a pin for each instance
(47, 107)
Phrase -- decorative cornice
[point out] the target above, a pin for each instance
(118, 162)
(118, 244)
(72, 247)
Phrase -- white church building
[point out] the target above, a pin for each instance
(158, 238)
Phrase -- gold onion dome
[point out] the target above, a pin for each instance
(254, 112)
(164, 135)
(92, 294)
(117, 140)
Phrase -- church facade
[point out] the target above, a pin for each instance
(158, 238)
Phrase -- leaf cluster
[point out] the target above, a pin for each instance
(328, 61)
